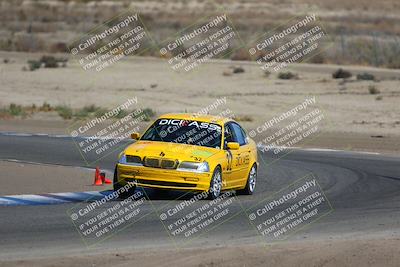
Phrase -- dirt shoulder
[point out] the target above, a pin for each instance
(377, 252)
(26, 178)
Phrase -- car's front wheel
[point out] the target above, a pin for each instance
(215, 184)
(251, 181)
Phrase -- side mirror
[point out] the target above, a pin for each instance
(233, 145)
(135, 136)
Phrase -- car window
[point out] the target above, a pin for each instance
(246, 139)
(229, 134)
(238, 132)
(185, 132)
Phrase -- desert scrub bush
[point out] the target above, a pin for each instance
(149, 113)
(64, 112)
(243, 118)
(34, 64)
(90, 110)
(100, 112)
(4, 114)
(287, 76)
(53, 62)
(32, 108)
(12, 110)
(121, 113)
(49, 61)
(81, 113)
(46, 107)
(373, 90)
(15, 110)
(365, 76)
(341, 74)
(238, 70)
(233, 70)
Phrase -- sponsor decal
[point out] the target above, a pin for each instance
(186, 123)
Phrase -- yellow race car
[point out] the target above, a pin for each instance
(192, 153)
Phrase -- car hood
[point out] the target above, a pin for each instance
(167, 150)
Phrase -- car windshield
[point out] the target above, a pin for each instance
(185, 132)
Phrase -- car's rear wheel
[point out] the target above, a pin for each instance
(117, 186)
(215, 184)
(251, 181)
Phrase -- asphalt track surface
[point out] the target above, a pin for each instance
(363, 189)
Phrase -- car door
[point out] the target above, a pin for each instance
(242, 160)
(236, 159)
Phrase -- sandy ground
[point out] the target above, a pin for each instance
(26, 178)
(383, 252)
(348, 105)
(355, 119)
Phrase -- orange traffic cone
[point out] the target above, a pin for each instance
(104, 179)
(97, 178)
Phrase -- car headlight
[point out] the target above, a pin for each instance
(122, 158)
(194, 166)
(130, 160)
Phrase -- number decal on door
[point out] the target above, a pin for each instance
(229, 158)
(242, 160)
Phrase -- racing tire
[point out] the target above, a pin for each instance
(215, 184)
(117, 186)
(251, 181)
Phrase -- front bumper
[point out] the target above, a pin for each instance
(163, 178)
